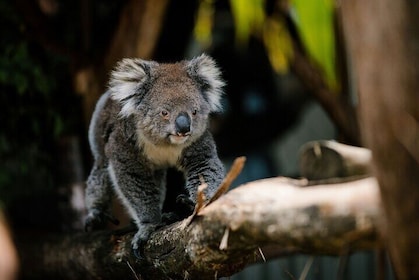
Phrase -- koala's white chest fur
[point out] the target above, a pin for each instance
(162, 155)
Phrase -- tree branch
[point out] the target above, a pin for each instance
(226, 235)
(336, 104)
(320, 160)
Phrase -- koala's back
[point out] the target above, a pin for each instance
(103, 121)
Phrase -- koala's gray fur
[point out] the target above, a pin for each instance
(153, 116)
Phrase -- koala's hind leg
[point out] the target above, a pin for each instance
(142, 192)
(98, 199)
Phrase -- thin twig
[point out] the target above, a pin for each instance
(306, 269)
(200, 202)
(224, 240)
(261, 254)
(133, 271)
(235, 170)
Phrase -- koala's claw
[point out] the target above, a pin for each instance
(138, 247)
(139, 251)
(140, 239)
(111, 218)
(97, 219)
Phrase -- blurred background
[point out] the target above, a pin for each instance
(284, 62)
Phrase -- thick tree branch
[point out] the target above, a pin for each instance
(226, 235)
(320, 160)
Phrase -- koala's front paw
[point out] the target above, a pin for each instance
(140, 238)
(169, 218)
(185, 203)
(97, 219)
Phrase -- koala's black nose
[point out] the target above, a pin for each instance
(183, 123)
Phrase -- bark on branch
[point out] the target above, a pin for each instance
(225, 235)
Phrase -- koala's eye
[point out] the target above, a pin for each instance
(194, 112)
(164, 114)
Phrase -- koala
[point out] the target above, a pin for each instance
(154, 116)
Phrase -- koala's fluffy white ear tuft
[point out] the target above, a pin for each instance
(205, 71)
(128, 82)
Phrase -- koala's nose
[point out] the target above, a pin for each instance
(183, 123)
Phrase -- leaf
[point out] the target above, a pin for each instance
(204, 23)
(249, 17)
(278, 44)
(314, 21)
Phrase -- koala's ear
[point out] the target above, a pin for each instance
(129, 82)
(204, 70)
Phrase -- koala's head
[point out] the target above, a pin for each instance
(170, 102)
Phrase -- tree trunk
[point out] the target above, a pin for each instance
(136, 36)
(383, 38)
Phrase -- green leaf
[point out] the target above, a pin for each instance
(314, 20)
(249, 17)
(278, 44)
(204, 23)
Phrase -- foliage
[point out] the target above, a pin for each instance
(33, 97)
(278, 44)
(314, 20)
(21, 72)
(249, 17)
(204, 22)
